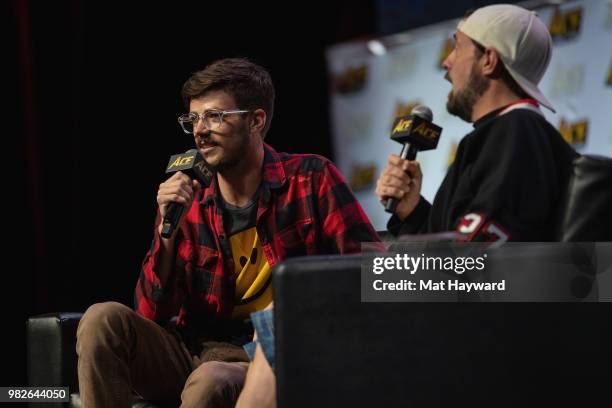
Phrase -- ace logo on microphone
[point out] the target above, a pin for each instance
(413, 128)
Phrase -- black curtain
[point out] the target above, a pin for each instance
(93, 95)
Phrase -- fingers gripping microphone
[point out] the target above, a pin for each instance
(415, 132)
(193, 165)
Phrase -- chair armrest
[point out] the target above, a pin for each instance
(51, 350)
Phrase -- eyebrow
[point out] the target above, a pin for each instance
(209, 110)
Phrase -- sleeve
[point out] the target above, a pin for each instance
(513, 182)
(151, 300)
(344, 223)
(415, 223)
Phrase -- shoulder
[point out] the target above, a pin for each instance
(301, 164)
(280, 167)
(522, 120)
(518, 129)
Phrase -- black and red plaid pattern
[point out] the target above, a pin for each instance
(305, 208)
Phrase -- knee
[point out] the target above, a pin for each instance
(214, 384)
(101, 320)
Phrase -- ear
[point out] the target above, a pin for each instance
(258, 120)
(491, 63)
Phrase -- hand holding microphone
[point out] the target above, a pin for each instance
(399, 186)
(178, 189)
(191, 173)
(400, 180)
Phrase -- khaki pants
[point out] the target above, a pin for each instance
(121, 352)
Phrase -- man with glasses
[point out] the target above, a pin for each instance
(215, 269)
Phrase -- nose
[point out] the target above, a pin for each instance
(199, 129)
(447, 61)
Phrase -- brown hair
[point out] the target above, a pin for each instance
(248, 83)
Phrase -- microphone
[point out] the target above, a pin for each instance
(193, 165)
(415, 132)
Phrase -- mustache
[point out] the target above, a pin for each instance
(205, 140)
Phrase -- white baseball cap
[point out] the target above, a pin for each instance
(520, 38)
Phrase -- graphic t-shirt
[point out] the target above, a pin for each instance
(253, 274)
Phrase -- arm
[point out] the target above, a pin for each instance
(402, 179)
(414, 223)
(344, 223)
(514, 183)
(159, 291)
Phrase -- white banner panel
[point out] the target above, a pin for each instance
(370, 86)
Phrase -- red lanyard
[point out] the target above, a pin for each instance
(530, 104)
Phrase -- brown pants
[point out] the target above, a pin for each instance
(121, 352)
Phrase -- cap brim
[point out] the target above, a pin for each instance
(531, 89)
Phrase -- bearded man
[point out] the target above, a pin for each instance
(262, 207)
(512, 169)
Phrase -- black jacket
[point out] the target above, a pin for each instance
(506, 182)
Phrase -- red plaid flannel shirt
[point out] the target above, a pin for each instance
(305, 207)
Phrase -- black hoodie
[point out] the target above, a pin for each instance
(506, 182)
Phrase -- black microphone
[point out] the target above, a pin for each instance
(415, 132)
(193, 165)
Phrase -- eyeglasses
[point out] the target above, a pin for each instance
(212, 119)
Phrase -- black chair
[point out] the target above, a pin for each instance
(52, 358)
(586, 211)
(335, 350)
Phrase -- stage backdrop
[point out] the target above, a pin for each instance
(370, 86)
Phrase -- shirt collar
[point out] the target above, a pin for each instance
(487, 118)
(529, 103)
(273, 176)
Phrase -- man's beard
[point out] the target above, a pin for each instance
(461, 103)
(232, 156)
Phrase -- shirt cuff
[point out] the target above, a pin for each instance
(411, 224)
